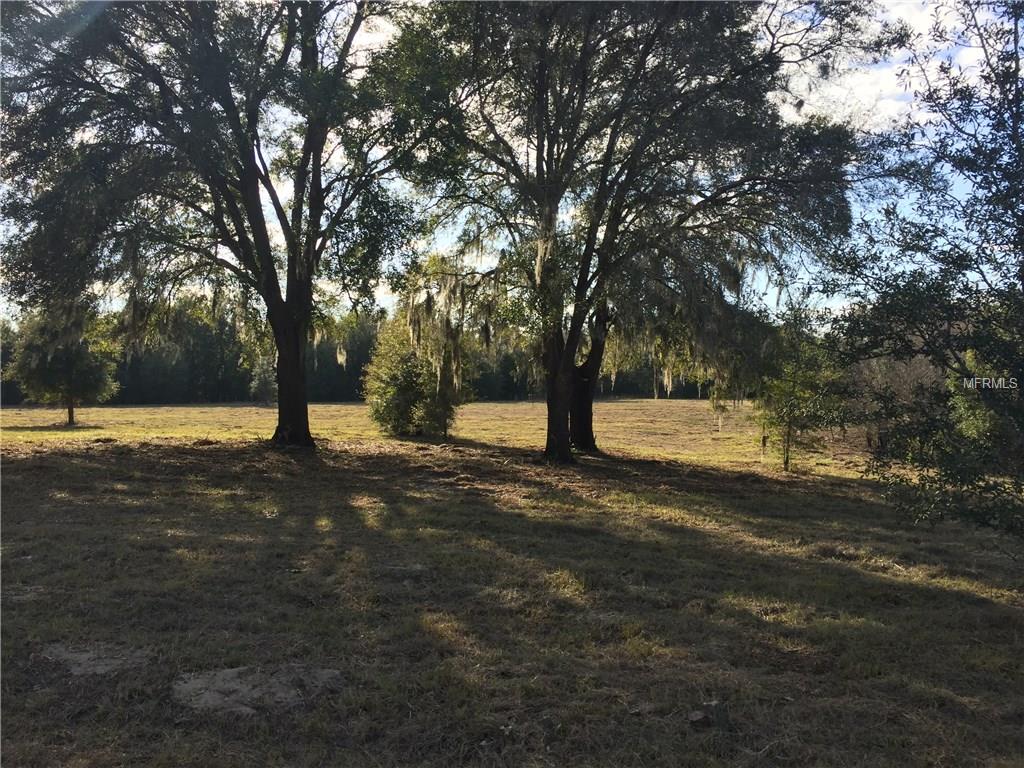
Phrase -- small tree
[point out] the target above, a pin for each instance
(402, 388)
(802, 393)
(263, 385)
(62, 357)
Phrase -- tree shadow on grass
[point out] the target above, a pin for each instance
(488, 610)
(52, 428)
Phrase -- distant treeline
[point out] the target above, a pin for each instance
(199, 351)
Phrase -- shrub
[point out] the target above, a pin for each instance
(949, 456)
(406, 394)
(803, 392)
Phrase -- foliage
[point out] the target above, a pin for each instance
(437, 303)
(502, 369)
(200, 348)
(402, 387)
(195, 349)
(803, 392)
(441, 299)
(940, 277)
(10, 391)
(263, 384)
(338, 353)
(943, 457)
(62, 356)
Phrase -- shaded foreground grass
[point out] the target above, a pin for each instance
(484, 609)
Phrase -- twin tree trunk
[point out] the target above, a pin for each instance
(571, 389)
(584, 385)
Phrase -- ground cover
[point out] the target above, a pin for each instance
(176, 594)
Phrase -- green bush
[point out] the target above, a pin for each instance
(402, 388)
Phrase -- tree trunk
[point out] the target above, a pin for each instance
(71, 412)
(787, 442)
(292, 406)
(559, 352)
(584, 385)
(559, 395)
(557, 446)
(581, 415)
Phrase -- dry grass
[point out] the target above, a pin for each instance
(681, 430)
(482, 608)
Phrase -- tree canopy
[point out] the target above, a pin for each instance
(591, 133)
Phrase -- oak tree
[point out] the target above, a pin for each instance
(590, 130)
(158, 142)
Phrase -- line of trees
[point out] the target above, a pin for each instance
(200, 350)
(196, 350)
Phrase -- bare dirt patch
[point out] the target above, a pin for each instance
(101, 659)
(247, 690)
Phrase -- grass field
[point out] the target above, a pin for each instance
(176, 594)
(670, 428)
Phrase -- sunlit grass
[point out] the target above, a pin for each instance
(338, 421)
(683, 430)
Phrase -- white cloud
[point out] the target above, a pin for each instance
(873, 97)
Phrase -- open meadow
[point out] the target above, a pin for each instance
(176, 593)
